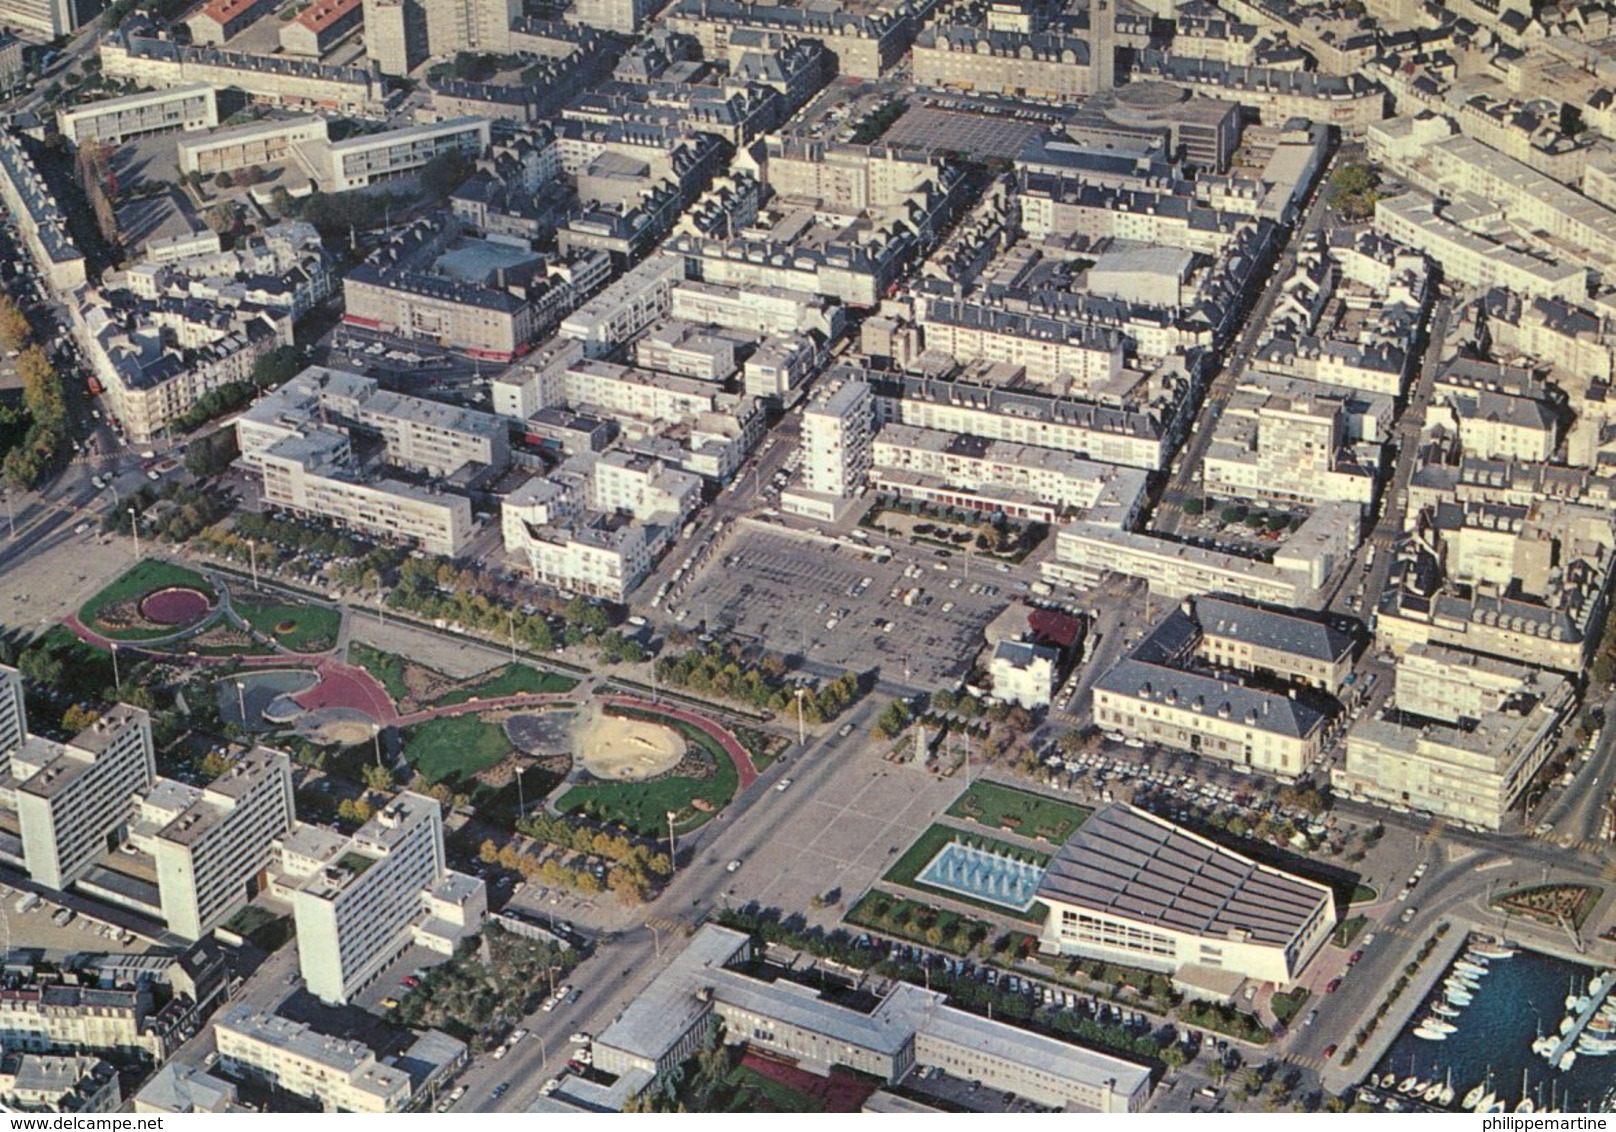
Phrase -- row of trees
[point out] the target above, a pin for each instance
(41, 446)
(476, 995)
(629, 881)
(723, 670)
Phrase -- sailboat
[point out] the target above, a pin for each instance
(1526, 1103)
(1443, 1010)
(1444, 1091)
(1439, 1025)
(1421, 1031)
(1473, 1098)
(1499, 950)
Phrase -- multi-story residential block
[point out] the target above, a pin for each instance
(1133, 888)
(965, 472)
(864, 45)
(453, 26)
(1048, 65)
(72, 798)
(1350, 102)
(1086, 551)
(277, 80)
(13, 716)
(12, 67)
(1473, 259)
(635, 300)
(1480, 731)
(219, 20)
(49, 18)
(40, 221)
(113, 121)
(31, 1082)
(837, 427)
(1072, 358)
(766, 310)
(343, 1075)
(359, 910)
(266, 143)
(210, 844)
(181, 1088)
(321, 26)
(395, 35)
(1291, 449)
(126, 1024)
(1024, 673)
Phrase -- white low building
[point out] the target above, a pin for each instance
(1133, 888)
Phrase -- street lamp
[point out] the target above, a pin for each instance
(802, 735)
(673, 848)
(510, 621)
(252, 555)
(117, 682)
(521, 800)
(241, 701)
(134, 526)
(11, 516)
(376, 742)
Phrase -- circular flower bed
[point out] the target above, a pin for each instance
(174, 606)
(284, 627)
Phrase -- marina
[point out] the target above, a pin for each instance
(1505, 1030)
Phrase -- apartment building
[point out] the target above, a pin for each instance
(48, 18)
(212, 844)
(1472, 259)
(355, 914)
(73, 799)
(113, 121)
(453, 26)
(13, 716)
(484, 321)
(1044, 65)
(274, 80)
(1070, 357)
(1086, 551)
(49, 1017)
(766, 310)
(265, 143)
(636, 299)
(1024, 673)
(1021, 481)
(40, 221)
(1133, 888)
(1293, 449)
(321, 26)
(395, 35)
(1134, 437)
(343, 1075)
(219, 20)
(864, 44)
(313, 474)
(837, 427)
(31, 1082)
(1481, 730)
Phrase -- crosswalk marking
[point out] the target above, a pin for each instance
(1312, 1063)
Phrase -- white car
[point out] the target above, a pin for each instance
(784, 785)
(581, 1038)
(733, 865)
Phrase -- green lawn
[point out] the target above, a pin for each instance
(1288, 1005)
(1020, 811)
(297, 626)
(644, 806)
(1347, 930)
(388, 667)
(144, 577)
(913, 919)
(457, 746)
(511, 680)
(927, 846)
(1363, 894)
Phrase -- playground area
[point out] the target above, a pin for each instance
(617, 748)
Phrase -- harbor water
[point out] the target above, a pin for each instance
(1517, 1001)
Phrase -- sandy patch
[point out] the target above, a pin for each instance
(616, 749)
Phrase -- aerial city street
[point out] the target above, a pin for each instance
(898, 556)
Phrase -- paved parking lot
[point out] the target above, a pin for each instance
(806, 597)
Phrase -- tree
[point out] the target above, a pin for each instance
(278, 366)
(215, 763)
(78, 718)
(212, 454)
(488, 852)
(377, 778)
(445, 173)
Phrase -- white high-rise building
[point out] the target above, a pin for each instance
(355, 914)
(13, 715)
(72, 799)
(213, 844)
(837, 429)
